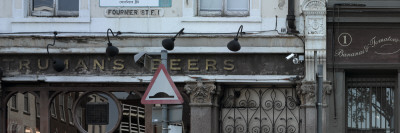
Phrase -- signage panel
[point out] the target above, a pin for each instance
(134, 3)
(365, 45)
(124, 64)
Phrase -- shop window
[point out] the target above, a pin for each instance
(370, 104)
(26, 103)
(53, 8)
(214, 8)
(61, 106)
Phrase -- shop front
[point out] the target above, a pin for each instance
(363, 63)
(221, 92)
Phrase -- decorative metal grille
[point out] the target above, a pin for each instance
(370, 104)
(260, 111)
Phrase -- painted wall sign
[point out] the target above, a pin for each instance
(131, 13)
(135, 3)
(178, 64)
(365, 46)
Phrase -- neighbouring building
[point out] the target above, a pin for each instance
(363, 63)
(267, 84)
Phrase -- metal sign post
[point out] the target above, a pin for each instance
(164, 56)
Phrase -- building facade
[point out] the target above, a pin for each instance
(363, 65)
(267, 84)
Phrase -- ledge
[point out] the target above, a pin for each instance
(223, 19)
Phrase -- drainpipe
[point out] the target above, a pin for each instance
(290, 18)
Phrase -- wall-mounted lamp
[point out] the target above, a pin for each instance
(234, 44)
(111, 50)
(168, 43)
(58, 64)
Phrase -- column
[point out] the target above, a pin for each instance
(202, 106)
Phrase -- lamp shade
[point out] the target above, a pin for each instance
(234, 45)
(111, 51)
(168, 44)
(58, 65)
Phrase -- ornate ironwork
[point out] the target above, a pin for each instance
(268, 110)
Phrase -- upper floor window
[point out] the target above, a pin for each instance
(59, 8)
(212, 8)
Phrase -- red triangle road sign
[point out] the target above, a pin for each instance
(162, 89)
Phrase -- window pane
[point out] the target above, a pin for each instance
(43, 5)
(238, 5)
(211, 5)
(68, 5)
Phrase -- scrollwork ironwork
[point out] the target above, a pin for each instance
(268, 110)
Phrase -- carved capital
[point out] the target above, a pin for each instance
(201, 93)
(307, 91)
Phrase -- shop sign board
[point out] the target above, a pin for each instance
(162, 89)
(129, 3)
(364, 46)
(124, 65)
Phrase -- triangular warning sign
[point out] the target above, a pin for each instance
(162, 89)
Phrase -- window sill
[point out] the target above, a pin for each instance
(223, 19)
(13, 109)
(27, 113)
(52, 20)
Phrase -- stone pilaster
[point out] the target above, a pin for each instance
(315, 33)
(307, 92)
(202, 100)
(314, 13)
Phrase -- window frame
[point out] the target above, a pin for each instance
(54, 13)
(14, 103)
(53, 110)
(224, 12)
(69, 106)
(61, 106)
(26, 104)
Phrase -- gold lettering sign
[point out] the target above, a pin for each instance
(192, 64)
(173, 64)
(119, 64)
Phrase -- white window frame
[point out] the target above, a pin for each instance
(55, 13)
(223, 12)
(190, 13)
(22, 14)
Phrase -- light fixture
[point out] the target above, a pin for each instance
(234, 44)
(58, 64)
(111, 50)
(168, 43)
